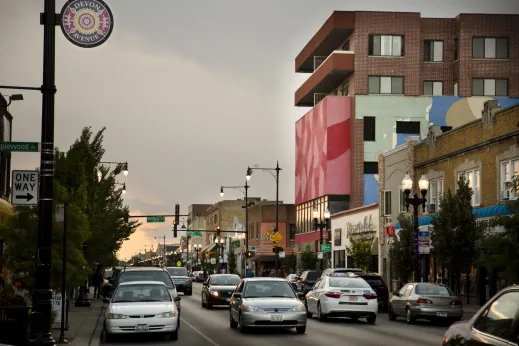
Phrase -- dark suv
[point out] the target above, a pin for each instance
(181, 279)
(379, 286)
(308, 279)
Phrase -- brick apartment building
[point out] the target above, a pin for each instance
(377, 78)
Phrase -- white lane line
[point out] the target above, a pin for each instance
(211, 341)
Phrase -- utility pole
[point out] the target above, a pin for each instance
(277, 213)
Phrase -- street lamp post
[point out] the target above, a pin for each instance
(124, 187)
(415, 201)
(221, 248)
(321, 225)
(123, 164)
(198, 248)
(245, 191)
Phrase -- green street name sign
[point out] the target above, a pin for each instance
(326, 248)
(155, 219)
(194, 234)
(27, 147)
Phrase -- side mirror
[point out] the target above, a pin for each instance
(237, 295)
(301, 295)
(106, 300)
(176, 299)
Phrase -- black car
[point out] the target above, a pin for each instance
(181, 279)
(379, 286)
(218, 289)
(496, 323)
(308, 279)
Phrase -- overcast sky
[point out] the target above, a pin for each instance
(191, 92)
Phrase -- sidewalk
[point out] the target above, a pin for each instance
(85, 324)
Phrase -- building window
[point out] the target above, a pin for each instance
(292, 231)
(473, 177)
(369, 129)
(433, 51)
(370, 167)
(489, 48)
(432, 88)
(456, 88)
(509, 172)
(387, 203)
(345, 90)
(439, 193)
(435, 194)
(456, 44)
(346, 45)
(408, 127)
(489, 87)
(385, 45)
(385, 85)
(403, 208)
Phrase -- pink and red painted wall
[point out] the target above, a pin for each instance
(323, 150)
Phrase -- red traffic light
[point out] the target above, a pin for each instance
(217, 228)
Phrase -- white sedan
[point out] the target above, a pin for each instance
(141, 307)
(342, 297)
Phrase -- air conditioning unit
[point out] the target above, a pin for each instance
(431, 208)
(505, 195)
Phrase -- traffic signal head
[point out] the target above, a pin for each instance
(218, 231)
(174, 233)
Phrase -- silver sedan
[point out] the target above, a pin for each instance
(267, 303)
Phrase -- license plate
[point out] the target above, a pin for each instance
(353, 299)
(276, 318)
(142, 328)
(441, 314)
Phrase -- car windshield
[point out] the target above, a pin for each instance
(313, 276)
(266, 289)
(141, 293)
(348, 283)
(177, 271)
(147, 275)
(225, 280)
(433, 290)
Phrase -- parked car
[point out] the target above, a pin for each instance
(342, 297)
(496, 323)
(308, 279)
(181, 279)
(342, 271)
(145, 307)
(266, 303)
(425, 301)
(109, 281)
(377, 283)
(293, 280)
(218, 288)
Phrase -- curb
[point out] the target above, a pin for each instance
(95, 338)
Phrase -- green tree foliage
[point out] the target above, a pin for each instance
(289, 263)
(456, 234)
(95, 216)
(401, 252)
(231, 261)
(308, 259)
(360, 250)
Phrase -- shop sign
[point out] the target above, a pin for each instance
(360, 227)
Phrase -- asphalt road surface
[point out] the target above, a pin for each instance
(203, 327)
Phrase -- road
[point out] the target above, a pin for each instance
(203, 327)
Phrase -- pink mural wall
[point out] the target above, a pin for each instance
(323, 150)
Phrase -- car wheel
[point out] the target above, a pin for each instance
(242, 328)
(390, 314)
(301, 330)
(232, 323)
(107, 337)
(372, 319)
(320, 315)
(308, 313)
(409, 319)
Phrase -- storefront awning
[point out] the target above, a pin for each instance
(479, 213)
(6, 211)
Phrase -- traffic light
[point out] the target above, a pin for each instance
(177, 213)
(175, 228)
(126, 217)
(217, 231)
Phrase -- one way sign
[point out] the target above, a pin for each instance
(25, 188)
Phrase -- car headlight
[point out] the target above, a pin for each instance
(215, 293)
(116, 316)
(250, 308)
(169, 314)
(298, 308)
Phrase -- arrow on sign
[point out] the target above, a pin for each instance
(27, 197)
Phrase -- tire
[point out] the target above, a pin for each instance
(390, 314)
(301, 330)
(372, 319)
(232, 323)
(320, 315)
(242, 328)
(308, 313)
(174, 336)
(408, 318)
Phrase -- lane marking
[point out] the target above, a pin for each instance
(211, 341)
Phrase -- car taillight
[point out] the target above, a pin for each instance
(423, 301)
(333, 294)
(456, 302)
(370, 296)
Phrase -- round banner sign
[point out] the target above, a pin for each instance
(86, 23)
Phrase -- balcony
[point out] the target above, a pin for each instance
(337, 28)
(328, 75)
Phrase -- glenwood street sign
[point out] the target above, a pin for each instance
(86, 23)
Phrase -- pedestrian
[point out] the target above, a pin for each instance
(98, 282)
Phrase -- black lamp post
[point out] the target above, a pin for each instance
(198, 248)
(322, 225)
(416, 202)
(276, 176)
(123, 164)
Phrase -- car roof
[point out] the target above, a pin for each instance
(142, 283)
(224, 275)
(133, 269)
(265, 279)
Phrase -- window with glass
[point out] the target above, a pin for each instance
(402, 201)
(386, 45)
(509, 171)
(433, 51)
(498, 319)
(268, 289)
(345, 89)
(369, 129)
(473, 177)
(439, 193)
(141, 293)
(489, 87)
(456, 45)
(387, 203)
(433, 88)
(385, 85)
(490, 48)
(432, 194)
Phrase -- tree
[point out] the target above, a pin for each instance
(456, 233)
(308, 259)
(401, 252)
(231, 261)
(360, 250)
(289, 263)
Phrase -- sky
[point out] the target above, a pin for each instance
(190, 92)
